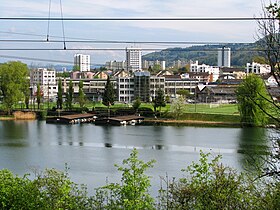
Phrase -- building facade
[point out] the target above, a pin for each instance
(82, 62)
(257, 68)
(133, 59)
(214, 71)
(115, 65)
(146, 64)
(46, 78)
(224, 57)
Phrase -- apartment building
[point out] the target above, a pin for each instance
(146, 64)
(214, 71)
(224, 57)
(133, 59)
(257, 68)
(115, 65)
(46, 78)
(82, 62)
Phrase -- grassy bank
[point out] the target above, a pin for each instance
(197, 119)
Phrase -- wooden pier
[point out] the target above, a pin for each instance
(72, 119)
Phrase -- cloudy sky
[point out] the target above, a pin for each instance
(129, 31)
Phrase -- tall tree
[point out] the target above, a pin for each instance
(136, 104)
(81, 97)
(59, 95)
(26, 92)
(109, 94)
(38, 95)
(69, 96)
(253, 98)
(183, 92)
(13, 77)
(159, 100)
(177, 107)
(269, 36)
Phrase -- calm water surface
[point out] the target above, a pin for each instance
(91, 151)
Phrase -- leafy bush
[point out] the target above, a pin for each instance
(205, 185)
(133, 192)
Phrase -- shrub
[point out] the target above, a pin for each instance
(133, 192)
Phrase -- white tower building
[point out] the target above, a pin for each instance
(133, 59)
(82, 62)
(224, 57)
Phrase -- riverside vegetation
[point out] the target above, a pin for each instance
(206, 184)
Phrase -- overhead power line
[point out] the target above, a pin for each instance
(123, 49)
(123, 42)
(40, 59)
(135, 18)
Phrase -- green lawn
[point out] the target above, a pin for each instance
(203, 108)
(189, 108)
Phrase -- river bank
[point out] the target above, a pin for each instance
(200, 123)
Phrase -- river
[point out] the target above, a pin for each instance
(91, 151)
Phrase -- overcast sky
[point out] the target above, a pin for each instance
(131, 31)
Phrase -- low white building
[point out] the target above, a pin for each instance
(257, 68)
(214, 71)
(46, 78)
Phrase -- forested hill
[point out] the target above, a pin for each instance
(240, 54)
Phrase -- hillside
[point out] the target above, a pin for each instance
(240, 54)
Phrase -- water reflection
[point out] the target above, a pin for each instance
(253, 147)
(14, 133)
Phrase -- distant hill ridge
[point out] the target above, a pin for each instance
(207, 54)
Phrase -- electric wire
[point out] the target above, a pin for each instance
(63, 32)
(48, 29)
(125, 42)
(136, 18)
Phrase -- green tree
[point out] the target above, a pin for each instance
(183, 92)
(69, 96)
(177, 107)
(211, 185)
(26, 92)
(38, 95)
(81, 97)
(132, 194)
(76, 68)
(269, 41)
(136, 104)
(252, 97)
(109, 94)
(159, 100)
(59, 95)
(13, 76)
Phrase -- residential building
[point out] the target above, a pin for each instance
(224, 57)
(175, 83)
(142, 85)
(179, 64)
(115, 65)
(257, 68)
(237, 73)
(203, 68)
(46, 78)
(146, 64)
(217, 94)
(82, 62)
(125, 89)
(133, 59)
(156, 83)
